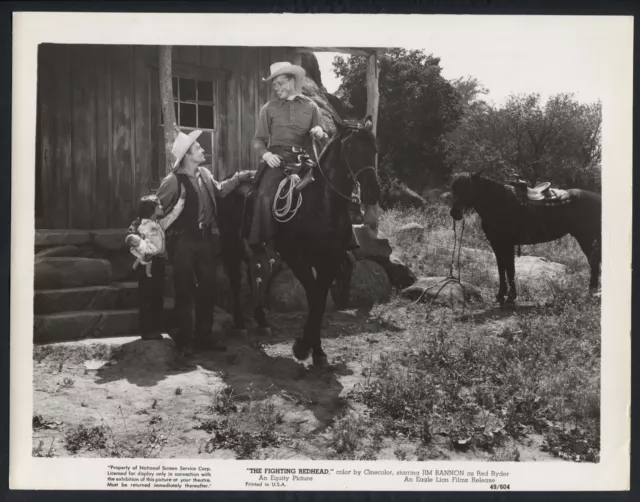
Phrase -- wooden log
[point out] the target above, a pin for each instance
(166, 95)
(373, 98)
(248, 160)
(158, 163)
(373, 95)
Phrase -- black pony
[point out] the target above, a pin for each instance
(234, 220)
(510, 219)
(314, 242)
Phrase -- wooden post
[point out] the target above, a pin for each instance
(373, 95)
(166, 96)
(371, 214)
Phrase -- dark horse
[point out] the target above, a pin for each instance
(508, 220)
(234, 211)
(314, 242)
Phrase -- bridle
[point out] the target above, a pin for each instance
(352, 175)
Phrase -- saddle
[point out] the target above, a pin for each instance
(301, 165)
(541, 194)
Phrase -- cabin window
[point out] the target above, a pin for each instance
(195, 108)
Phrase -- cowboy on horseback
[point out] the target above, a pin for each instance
(284, 134)
(283, 140)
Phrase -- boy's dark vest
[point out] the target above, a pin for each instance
(188, 219)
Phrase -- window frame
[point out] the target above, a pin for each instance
(218, 78)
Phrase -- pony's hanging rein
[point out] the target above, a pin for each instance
(451, 279)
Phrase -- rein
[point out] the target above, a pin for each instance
(451, 278)
(352, 175)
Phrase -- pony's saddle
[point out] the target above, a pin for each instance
(540, 194)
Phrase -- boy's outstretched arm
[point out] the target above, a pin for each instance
(175, 212)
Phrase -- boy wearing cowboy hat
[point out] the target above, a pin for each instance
(285, 129)
(193, 241)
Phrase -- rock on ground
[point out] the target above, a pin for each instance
(528, 268)
(287, 294)
(536, 268)
(370, 284)
(403, 196)
(149, 354)
(399, 274)
(327, 112)
(443, 291)
(432, 195)
(371, 246)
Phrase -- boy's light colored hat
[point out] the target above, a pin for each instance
(182, 144)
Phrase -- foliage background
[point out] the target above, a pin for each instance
(430, 128)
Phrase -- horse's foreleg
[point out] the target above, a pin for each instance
(343, 282)
(593, 251)
(326, 273)
(234, 269)
(258, 276)
(510, 269)
(302, 271)
(500, 253)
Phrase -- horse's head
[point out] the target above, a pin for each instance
(462, 195)
(360, 151)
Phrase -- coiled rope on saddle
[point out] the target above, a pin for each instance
(286, 192)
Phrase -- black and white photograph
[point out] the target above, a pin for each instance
(390, 254)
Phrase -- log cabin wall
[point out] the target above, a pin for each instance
(98, 145)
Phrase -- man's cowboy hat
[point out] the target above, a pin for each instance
(283, 68)
(182, 144)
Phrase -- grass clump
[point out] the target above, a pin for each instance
(480, 391)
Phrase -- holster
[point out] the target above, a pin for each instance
(306, 179)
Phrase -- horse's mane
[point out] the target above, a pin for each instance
(346, 130)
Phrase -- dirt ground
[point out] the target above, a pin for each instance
(132, 398)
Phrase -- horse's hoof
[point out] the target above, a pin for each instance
(320, 361)
(264, 331)
(300, 349)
